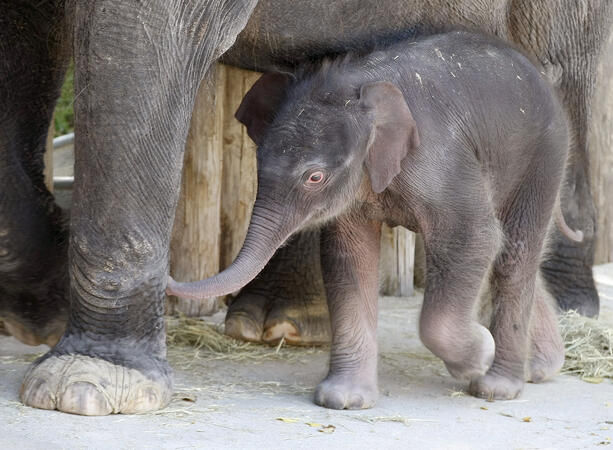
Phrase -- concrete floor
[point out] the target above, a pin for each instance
(229, 404)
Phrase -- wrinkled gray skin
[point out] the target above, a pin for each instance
(456, 136)
(138, 64)
(138, 67)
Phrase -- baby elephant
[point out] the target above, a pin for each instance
(456, 136)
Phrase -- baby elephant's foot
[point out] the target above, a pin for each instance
(546, 361)
(338, 392)
(492, 386)
(80, 384)
(546, 344)
(478, 361)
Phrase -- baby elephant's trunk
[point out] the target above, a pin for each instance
(268, 230)
(573, 235)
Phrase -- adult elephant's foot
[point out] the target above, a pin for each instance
(33, 264)
(258, 317)
(571, 283)
(299, 321)
(246, 315)
(567, 269)
(112, 356)
(80, 384)
(286, 301)
(346, 392)
(35, 314)
(50, 334)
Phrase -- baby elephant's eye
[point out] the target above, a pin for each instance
(316, 177)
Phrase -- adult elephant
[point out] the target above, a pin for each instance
(138, 67)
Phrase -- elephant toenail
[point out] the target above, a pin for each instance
(84, 398)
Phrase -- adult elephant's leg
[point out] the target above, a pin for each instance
(569, 43)
(567, 270)
(287, 300)
(34, 53)
(138, 67)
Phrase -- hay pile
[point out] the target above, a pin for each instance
(589, 347)
(191, 340)
(588, 342)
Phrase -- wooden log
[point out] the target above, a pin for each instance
(194, 250)
(239, 180)
(397, 261)
(600, 143)
(420, 262)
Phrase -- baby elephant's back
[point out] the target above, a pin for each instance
(478, 77)
(497, 102)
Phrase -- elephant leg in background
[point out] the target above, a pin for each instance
(287, 300)
(569, 45)
(350, 256)
(567, 268)
(138, 68)
(34, 53)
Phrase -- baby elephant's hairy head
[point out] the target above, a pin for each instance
(312, 144)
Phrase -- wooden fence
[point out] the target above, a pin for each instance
(600, 142)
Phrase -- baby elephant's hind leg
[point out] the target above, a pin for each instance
(513, 283)
(546, 345)
(458, 258)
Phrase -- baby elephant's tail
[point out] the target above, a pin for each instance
(573, 235)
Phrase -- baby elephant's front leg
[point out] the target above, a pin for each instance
(350, 258)
(458, 258)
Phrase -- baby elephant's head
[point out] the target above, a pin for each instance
(321, 136)
(320, 139)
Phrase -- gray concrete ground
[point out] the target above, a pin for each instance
(232, 404)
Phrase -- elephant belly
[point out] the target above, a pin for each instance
(282, 33)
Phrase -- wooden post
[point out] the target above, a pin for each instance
(397, 261)
(194, 250)
(239, 181)
(420, 262)
(600, 144)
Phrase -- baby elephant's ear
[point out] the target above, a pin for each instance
(393, 135)
(258, 108)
